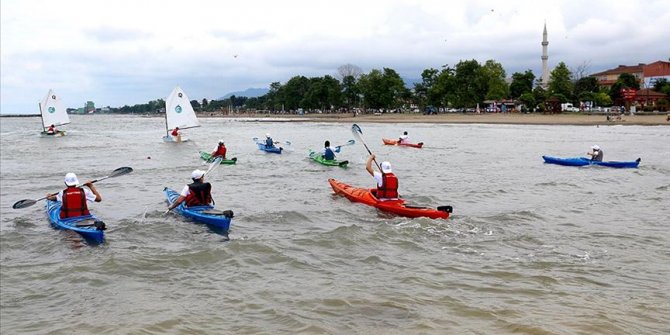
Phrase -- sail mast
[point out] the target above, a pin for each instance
(39, 104)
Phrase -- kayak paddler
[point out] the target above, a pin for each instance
(403, 138)
(387, 182)
(197, 193)
(220, 150)
(73, 199)
(269, 143)
(596, 153)
(328, 153)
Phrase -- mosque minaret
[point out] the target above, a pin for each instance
(545, 57)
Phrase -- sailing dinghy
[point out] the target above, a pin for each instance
(178, 113)
(52, 112)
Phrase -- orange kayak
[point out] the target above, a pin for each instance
(398, 207)
(395, 142)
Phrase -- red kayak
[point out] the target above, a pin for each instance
(395, 142)
(398, 206)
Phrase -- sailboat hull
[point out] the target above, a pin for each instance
(59, 133)
(171, 139)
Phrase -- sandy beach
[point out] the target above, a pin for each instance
(498, 118)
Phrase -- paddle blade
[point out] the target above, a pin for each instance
(356, 130)
(351, 142)
(24, 203)
(121, 171)
(343, 163)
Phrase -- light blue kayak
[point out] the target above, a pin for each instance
(214, 218)
(274, 150)
(88, 226)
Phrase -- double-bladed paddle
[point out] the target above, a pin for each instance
(350, 142)
(29, 202)
(359, 134)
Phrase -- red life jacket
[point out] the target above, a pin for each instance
(175, 132)
(220, 151)
(389, 188)
(199, 195)
(74, 203)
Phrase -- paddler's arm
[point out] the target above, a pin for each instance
(179, 200)
(98, 197)
(368, 165)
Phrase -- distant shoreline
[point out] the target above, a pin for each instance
(447, 118)
(497, 118)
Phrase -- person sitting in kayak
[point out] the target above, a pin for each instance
(176, 134)
(596, 153)
(52, 130)
(197, 193)
(220, 150)
(73, 199)
(387, 182)
(269, 143)
(403, 138)
(328, 153)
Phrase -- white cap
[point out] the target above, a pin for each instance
(197, 174)
(220, 141)
(71, 179)
(267, 134)
(595, 147)
(386, 167)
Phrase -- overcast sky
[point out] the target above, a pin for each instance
(125, 52)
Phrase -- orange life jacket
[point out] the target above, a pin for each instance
(389, 188)
(199, 195)
(74, 203)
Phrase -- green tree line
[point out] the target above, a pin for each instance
(462, 86)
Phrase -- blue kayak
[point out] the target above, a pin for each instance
(216, 219)
(88, 226)
(583, 161)
(274, 150)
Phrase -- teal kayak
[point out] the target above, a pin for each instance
(317, 157)
(88, 226)
(216, 219)
(208, 157)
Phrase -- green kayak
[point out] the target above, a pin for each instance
(329, 162)
(208, 157)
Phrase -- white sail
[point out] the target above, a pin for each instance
(178, 111)
(52, 111)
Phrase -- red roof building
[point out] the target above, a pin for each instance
(607, 78)
(654, 72)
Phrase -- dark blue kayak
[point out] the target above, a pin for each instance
(88, 226)
(216, 219)
(583, 161)
(274, 150)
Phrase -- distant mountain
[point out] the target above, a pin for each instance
(249, 93)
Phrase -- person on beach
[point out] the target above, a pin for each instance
(176, 134)
(73, 199)
(596, 153)
(387, 182)
(220, 150)
(328, 153)
(197, 193)
(52, 130)
(403, 138)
